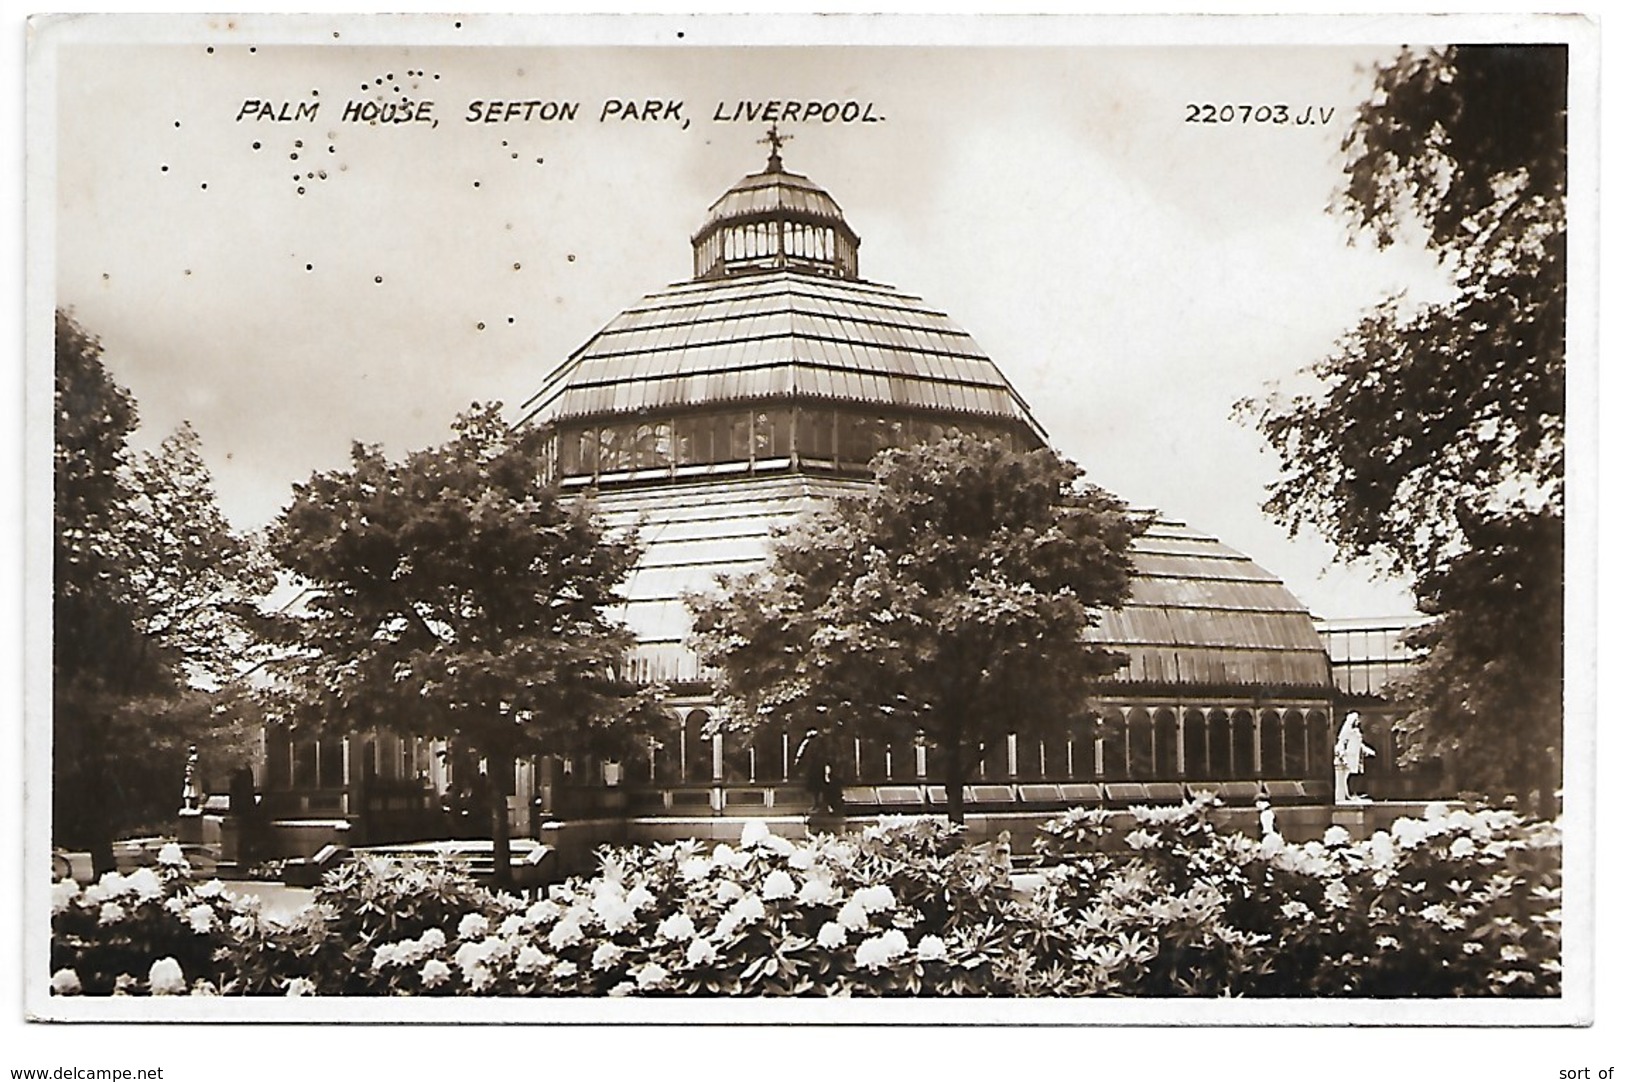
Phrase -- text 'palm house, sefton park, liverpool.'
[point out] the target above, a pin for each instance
(715, 411)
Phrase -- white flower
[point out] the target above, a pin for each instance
(565, 933)
(729, 857)
(755, 832)
(1387, 942)
(172, 856)
(1438, 809)
(110, 885)
(694, 868)
(652, 975)
(212, 889)
(201, 918)
(1336, 835)
(544, 910)
(1472, 946)
(300, 986)
(434, 973)
(111, 913)
(613, 911)
(1141, 839)
(605, 956)
(1380, 849)
(511, 925)
(63, 893)
(781, 846)
(65, 982)
(853, 916)
(745, 911)
(875, 899)
(1410, 833)
(625, 988)
(242, 925)
(817, 891)
(881, 950)
(1513, 953)
(802, 859)
(433, 939)
(778, 884)
(472, 926)
(931, 948)
(675, 927)
(832, 935)
(701, 952)
(146, 885)
(565, 970)
(729, 891)
(166, 979)
(639, 897)
(529, 959)
(1461, 847)
(1337, 894)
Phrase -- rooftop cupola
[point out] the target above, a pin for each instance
(775, 220)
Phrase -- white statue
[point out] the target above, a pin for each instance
(1348, 758)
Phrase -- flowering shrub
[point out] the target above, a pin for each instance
(151, 932)
(1455, 903)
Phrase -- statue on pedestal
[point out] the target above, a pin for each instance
(1348, 759)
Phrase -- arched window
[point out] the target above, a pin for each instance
(1242, 763)
(1219, 745)
(1196, 764)
(1272, 745)
(1113, 740)
(1296, 739)
(695, 756)
(1165, 737)
(1320, 745)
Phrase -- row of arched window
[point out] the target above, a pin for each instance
(1133, 745)
(839, 437)
(776, 243)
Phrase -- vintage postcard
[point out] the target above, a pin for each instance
(1047, 520)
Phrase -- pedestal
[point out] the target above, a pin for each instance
(189, 826)
(1357, 819)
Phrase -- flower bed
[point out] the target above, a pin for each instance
(1454, 904)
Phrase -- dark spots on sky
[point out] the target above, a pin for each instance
(187, 272)
(106, 277)
(293, 157)
(252, 50)
(510, 320)
(210, 50)
(476, 184)
(516, 266)
(479, 326)
(300, 190)
(571, 257)
(256, 146)
(679, 33)
(163, 169)
(177, 123)
(538, 161)
(310, 266)
(378, 279)
(204, 186)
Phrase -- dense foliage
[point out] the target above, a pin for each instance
(953, 599)
(1152, 903)
(455, 594)
(152, 598)
(1435, 439)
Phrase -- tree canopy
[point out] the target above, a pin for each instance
(151, 594)
(952, 599)
(1435, 440)
(453, 593)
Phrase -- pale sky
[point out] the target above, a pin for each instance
(1131, 273)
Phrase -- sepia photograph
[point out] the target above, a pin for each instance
(1049, 521)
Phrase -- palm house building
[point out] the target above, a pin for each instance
(718, 409)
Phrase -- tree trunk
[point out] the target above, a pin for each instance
(954, 780)
(502, 767)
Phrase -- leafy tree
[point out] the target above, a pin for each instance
(952, 598)
(454, 594)
(1434, 442)
(150, 587)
